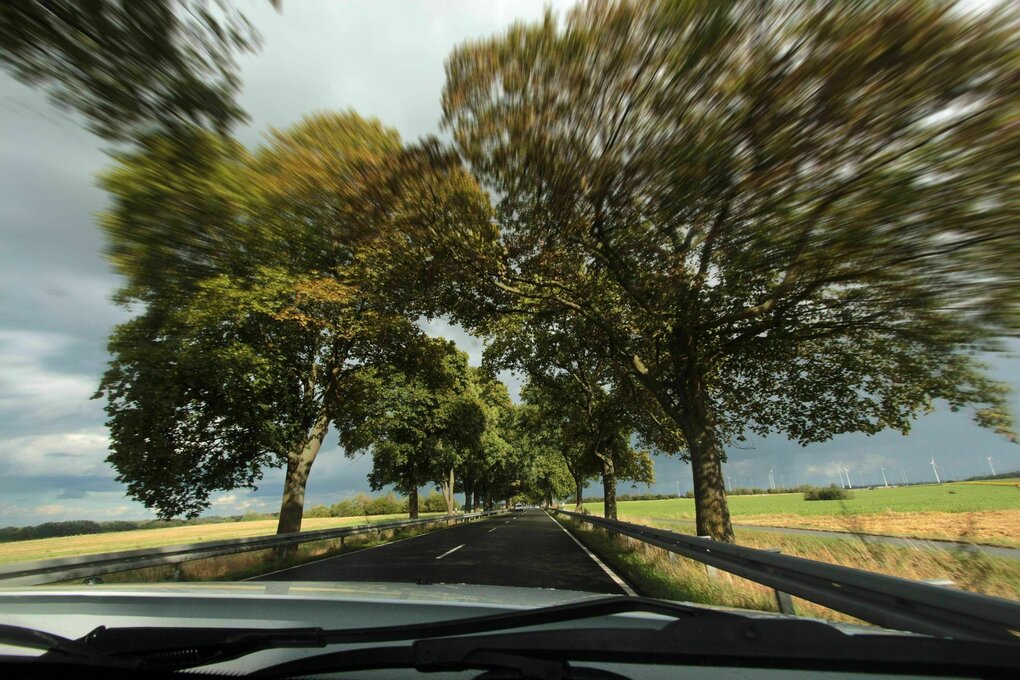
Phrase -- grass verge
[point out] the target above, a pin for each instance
(658, 573)
(240, 566)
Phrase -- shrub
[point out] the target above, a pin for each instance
(827, 493)
(434, 502)
(317, 511)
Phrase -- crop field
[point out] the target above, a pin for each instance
(982, 513)
(66, 546)
(1009, 481)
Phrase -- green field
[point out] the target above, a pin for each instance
(957, 497)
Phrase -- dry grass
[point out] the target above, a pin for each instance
(90, 544)
(240, 566)
(658, 573)
(993, 527)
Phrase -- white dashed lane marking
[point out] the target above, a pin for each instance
(452, 550)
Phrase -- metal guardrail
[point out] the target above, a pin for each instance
(82, 566)
(888, 601)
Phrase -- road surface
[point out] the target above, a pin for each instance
(526, 549)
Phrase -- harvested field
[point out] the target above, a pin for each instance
(66, 546)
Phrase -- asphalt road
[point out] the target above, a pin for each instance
(526, 549)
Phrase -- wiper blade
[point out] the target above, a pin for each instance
(754, 643)
(30, 638)
(189, 647)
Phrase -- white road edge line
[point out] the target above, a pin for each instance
(616, 579)
(452, 550)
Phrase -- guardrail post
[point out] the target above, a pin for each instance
(710, 571)
(783, 600)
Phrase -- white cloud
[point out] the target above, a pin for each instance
(227, 499)
(78, 454)
(50, 510)
(29, 390)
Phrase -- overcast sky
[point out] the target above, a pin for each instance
(383, 59)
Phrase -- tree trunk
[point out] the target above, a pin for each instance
(712, 512)
(578, 494)
(447, 488)
(468, 489)
(299, 464)
(488, 498)
(412, 503)
(608, 486)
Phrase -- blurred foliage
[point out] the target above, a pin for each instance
(267, 284)
(573, 388)
(435, 415)
(828, 493)
(131, 68)
(776, 216)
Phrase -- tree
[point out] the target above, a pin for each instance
(542, 427)
(577, 391)
(772, 216)
(413, 421)
(494, 448)
(549, 476)
(131, 68)
(300, 267)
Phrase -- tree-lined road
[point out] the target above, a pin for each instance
(522, 549)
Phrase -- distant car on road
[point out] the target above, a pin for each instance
(519, 507)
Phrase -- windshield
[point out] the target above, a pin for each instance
(514, 302)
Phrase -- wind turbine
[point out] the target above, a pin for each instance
(936, 470)
(989, 459)
(772, 481)
(883, 476)
(678, 488)
(840, 473)
(903, 474)
(848, 484)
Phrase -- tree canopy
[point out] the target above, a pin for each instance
(131, 69)
(772, 216)
(297, 267)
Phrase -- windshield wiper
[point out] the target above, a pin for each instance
(752, 643)
(31, 638)
(185, 647)
(719, 637)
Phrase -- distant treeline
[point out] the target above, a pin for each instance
(1001, 475)
(739, 491)
(387, 504)
(86, 526)
(359, 506)
(816, 493)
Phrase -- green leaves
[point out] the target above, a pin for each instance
(290, 279)
(131, 68)
(784, 217)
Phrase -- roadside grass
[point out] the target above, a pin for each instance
(658, 573)
(987, 513)
(240, 566)
(68, 546)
